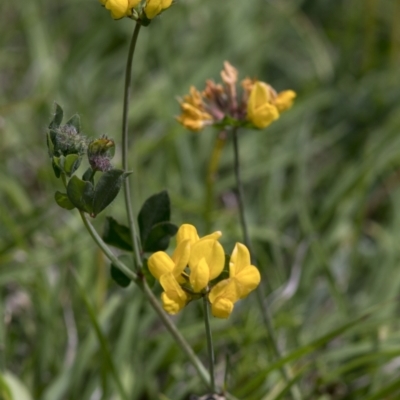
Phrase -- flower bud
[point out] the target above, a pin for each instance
(100, 152)
(67, 140)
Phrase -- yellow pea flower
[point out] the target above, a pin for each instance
(174, 298)
(189, 232)
(120, 8)
(160, 263)
(284, 100)
(155, 7)
(260, 110)
(243, 278)
(207, 257)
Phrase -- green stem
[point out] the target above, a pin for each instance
(210, 346)
(2, 334)
(109, 254)
(179, 339)
(210, 179)
(295, 392)
(125, 166)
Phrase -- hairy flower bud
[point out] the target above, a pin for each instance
(67, 140)
(100, 152)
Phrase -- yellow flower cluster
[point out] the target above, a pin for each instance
(194, 264)
(124, 8)
(220, 104)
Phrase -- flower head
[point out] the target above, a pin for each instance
(100, 152)
(243, 278)
(120, 8)
(222, 105)
(154, 7)
(195, 263)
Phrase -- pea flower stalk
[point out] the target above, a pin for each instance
(195, 266)
(256, 104)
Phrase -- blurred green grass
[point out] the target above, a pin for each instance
(325, 175)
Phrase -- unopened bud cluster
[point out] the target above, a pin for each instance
(256, 104)
(67, 140)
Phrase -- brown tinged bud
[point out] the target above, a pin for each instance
(100, 152)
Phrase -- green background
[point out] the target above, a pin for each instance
(321, 191)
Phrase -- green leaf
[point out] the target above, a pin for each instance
(156, 208)
(71, 163)
(117, 275)
(88, 175)
(75, 121)
(81, 194)
(117, 235)
(16, 387)
(107, 189)
(159, 236)
(50, 145)
(5, 392)
(58, 116)
(63, 201)
(57, 171)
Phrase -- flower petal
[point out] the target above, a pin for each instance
(247, 280)
(187, 232)
(171, 306)
(260, 111)
(226, 288)
(213, 253)
(159, 264)
(284, 100)
(240, 259)
(222, 308)
(180, 257)
(154, 7)
(200, 276)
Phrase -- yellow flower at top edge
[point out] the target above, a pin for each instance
(120, 8)
(155, 7)
(243, 278)
(265, 105)
(260, 110)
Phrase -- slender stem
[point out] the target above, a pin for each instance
(210, 179)
(2, 333)
(179, 339)
(210, 346)
(295, 392)
(109, 254)
(125, 166)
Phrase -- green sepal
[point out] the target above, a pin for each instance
(159, 236)
(107, 189)
(117, 275)
(81, 194)
(63, 200)
(72, 163)
(156, 209)
(117, 235)
(75, 121)
(147, 274)
(58, 116)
